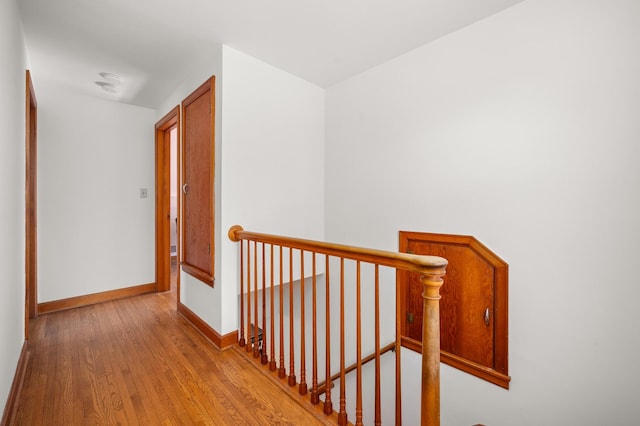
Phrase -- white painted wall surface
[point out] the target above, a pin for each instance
(269, 166)
(12, 176)
(203, 300)
(94, 232)
(272, 160)
(521, 130)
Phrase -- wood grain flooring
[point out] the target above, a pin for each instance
(136, 361)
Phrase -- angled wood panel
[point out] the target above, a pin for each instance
(473, 308)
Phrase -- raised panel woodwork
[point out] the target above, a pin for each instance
(198, 182)
(473, 308)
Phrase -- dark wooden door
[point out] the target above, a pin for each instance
(198, 182)
(473, 307)
(466, 298)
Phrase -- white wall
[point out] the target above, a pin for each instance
(94, 232)
(12, 175)
(269, 166)
(198, 297)
(273, 157)
(521, 130)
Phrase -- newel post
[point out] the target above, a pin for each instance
(430, 404)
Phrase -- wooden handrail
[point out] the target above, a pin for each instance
(428, 265)
(431, 270)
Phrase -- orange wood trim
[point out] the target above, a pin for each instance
(222, 342)
(404, 261)
(467, 366)
(179, 209)
(31, 204)
(16, 387)
(163, 188)
(197, 273)
(92, 299)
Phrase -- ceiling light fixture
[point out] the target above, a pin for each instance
(110, 78)
(107, 87)
(110, 82)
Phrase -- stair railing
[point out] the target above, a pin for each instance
(264, 257)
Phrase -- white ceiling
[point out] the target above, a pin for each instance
(148, 43)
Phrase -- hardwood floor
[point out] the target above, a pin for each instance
(136, 361)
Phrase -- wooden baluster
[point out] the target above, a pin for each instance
(282, 371)
(292, 362)
(378, 412)
(249, 346)
(272, 362)
(265, 357)
(431, 280)
(358, 348)
(398, 342)
(256, 344)
(328, 405)
(315, 399)
(342, 414)
(242, 340)
(302, 388)
(430, 401)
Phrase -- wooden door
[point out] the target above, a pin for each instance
(198, 112)
(473, 307)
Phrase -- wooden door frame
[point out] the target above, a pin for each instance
(31, 205)
(163, 199)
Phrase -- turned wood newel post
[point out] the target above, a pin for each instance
(430, 405)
